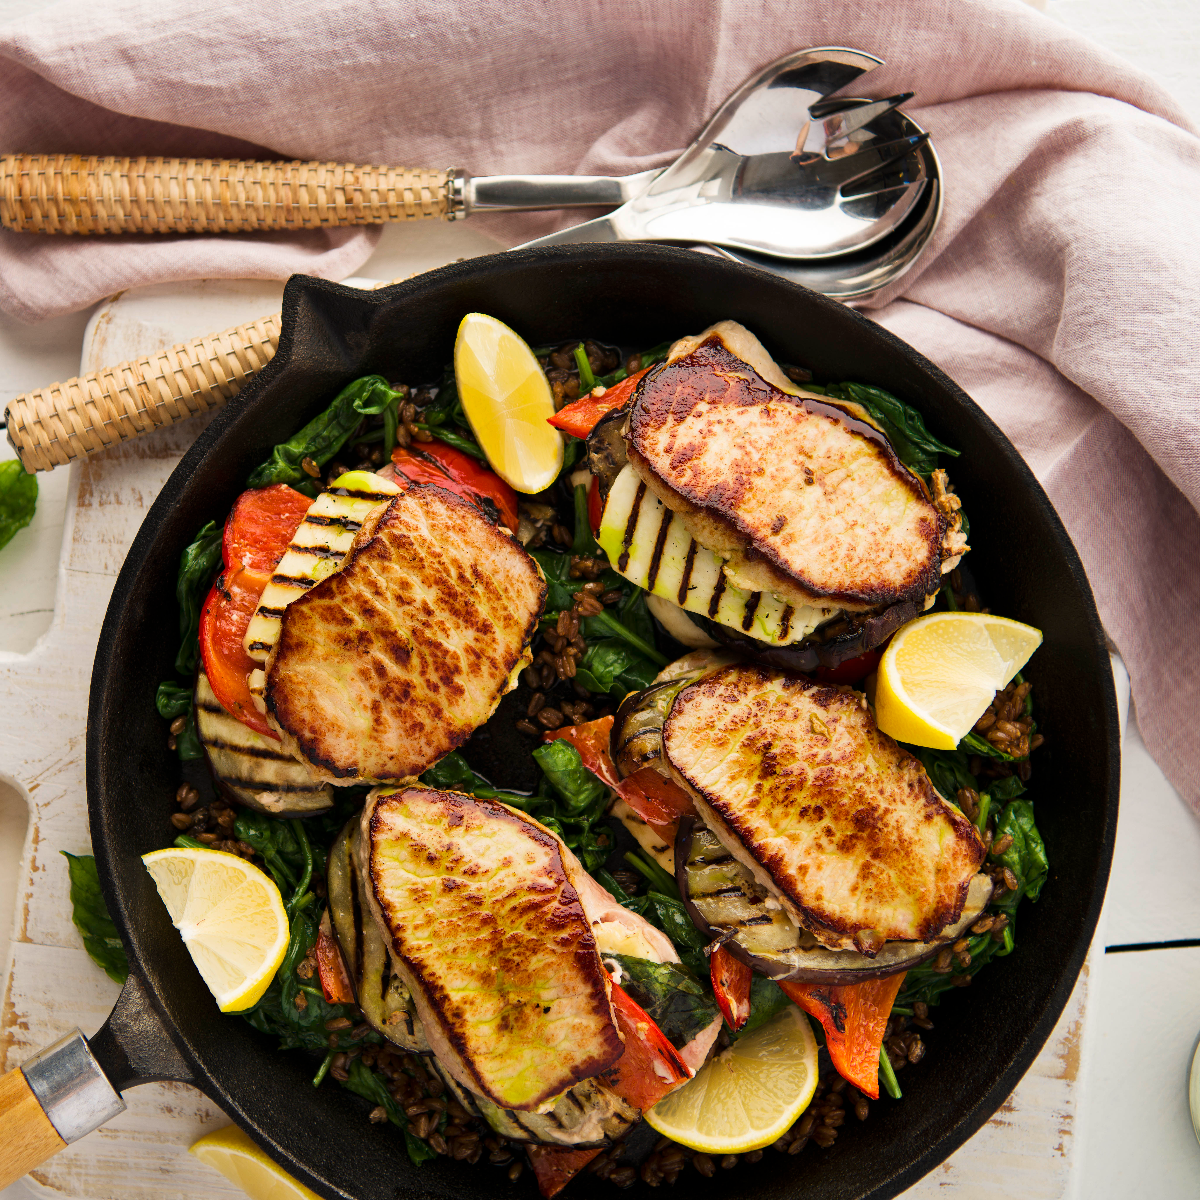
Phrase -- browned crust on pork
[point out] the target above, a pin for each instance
(498, 947)
(844, 823)
(395, 660)
(727, 450)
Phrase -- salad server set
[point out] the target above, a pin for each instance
(838, 194)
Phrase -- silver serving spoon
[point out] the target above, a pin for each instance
(780, 169)
(859, 274)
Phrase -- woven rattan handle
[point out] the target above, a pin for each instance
(67, 193)
(65, 421)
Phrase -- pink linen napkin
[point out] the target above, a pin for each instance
(1061, 289)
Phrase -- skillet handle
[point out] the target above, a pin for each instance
(52, 1100)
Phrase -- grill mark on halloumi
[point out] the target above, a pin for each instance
(656, 552)
(321, 541)
(635, 514)
(256, 769)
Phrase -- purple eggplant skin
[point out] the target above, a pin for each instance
(834, 971)
(818, 650)
(606, 453)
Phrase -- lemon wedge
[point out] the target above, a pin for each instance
(940, 673)
(507, 401)
(230, 916)
(748, 1095)
(232, 1153)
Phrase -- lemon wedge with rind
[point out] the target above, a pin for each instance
(507, 401)
(941, 671)
(748, 1095)
(230, 916)
(231, 1152)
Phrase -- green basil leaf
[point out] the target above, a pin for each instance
(90, 914)
(325, 434)
(672, 996)
(198, 564)
(18, 499)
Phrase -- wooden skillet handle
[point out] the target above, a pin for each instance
(29, 1137)
(69, 193)
(53, 1099)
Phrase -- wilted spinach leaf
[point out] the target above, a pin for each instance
(679, 1004)
(199, 562)
(325, 434)
(1026, 857)
(577, 787)
(904, 427)
(369, 1084)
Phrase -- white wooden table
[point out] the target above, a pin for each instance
(1102, 1115)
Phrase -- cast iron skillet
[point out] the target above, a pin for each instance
(166, 1025)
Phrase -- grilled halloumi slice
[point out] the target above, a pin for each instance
(832, 817)
(493, 941)
(321, 541)
(397, 658)
(804, 499)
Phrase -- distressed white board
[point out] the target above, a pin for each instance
(52, 985)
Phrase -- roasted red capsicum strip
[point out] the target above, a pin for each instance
(581, 416)
(554, 1168)
(437, 463)
(854, 1017)
(731, 979)
(257, 532)
(651, 1066)
(331, 966)
(658, 801)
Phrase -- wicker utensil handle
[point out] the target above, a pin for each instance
(68, 193)
(55, 424)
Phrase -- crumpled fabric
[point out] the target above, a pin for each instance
(1061, 289)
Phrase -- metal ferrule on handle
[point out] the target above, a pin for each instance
(71, 193)
(52, 1100)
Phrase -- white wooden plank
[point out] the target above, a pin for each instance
(1154, 893)
(1138, 1138)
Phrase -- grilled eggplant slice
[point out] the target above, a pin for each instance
(385, 1001)
(587, 1115)
(386, 666)
(724, 899)
(492, 939)
(251, 769)
(802, 498)
(833, 818)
